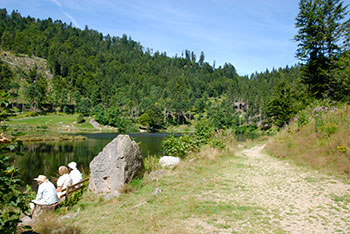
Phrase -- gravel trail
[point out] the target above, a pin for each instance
(295, 199)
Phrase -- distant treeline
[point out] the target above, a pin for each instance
(118, 80)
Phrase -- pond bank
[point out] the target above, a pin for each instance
(48, 137)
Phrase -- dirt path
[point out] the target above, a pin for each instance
(295, 199)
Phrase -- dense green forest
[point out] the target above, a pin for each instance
(119, 81)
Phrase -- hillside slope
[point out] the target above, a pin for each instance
(26, 63)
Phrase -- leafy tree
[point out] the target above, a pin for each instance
(84, 106)
(6, 76)
(152, 118)
(36, 92)
(340, 79)
(80, 118)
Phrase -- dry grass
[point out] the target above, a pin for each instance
(322, 147)
(217, 192)
(182, 198)
(49, 222)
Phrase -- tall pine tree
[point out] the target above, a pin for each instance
(322, 28)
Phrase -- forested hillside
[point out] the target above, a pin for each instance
(119, 81)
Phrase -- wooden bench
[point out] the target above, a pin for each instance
(71, 189)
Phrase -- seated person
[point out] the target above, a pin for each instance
(46, 195)
(64, 181)
(75, 173)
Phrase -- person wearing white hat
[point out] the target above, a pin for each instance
(46, 195)
(75, 173)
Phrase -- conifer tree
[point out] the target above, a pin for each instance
(322, 28)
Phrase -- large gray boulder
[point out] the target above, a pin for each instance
(118, 163)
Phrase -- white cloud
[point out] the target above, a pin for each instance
(57, 3)
(72, 19)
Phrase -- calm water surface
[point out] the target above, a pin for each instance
(45, 157)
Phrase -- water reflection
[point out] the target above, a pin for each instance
(45, 157)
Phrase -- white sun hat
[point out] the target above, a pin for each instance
(41, 178)
(72, 165)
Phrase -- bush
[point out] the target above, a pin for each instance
(151, 163)
(203, 132)
(13, 201)
(68, 110)
(80, 119)
(179, 146)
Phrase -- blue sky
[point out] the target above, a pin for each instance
(252, 35)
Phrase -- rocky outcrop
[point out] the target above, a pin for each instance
(118, 163)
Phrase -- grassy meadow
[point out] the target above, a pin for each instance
(319, 137)
(50, 122)
(50, 127)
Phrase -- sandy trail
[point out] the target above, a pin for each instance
(298, 200)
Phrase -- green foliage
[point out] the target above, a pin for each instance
(6, 76)
(203, 132)
(13, 201)
(151, 163)
(322, 25)
(112, 117)
(92, 70)
(185, 144)
(323, 121)
(68, 110)
(84, 106)
(283, 106)
(340, 79)
(179, 146)
(152, 118)
(76, 196)
(80, 118)
(303, 118)
(145, 119)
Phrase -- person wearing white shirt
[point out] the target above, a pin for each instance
(46, 195)
(63, 181)
(75, 173)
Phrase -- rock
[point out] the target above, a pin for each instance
(119, 162)
(169, 161)
(95, 124)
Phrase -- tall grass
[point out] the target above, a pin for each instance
(318, 137)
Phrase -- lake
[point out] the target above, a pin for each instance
(44, 158)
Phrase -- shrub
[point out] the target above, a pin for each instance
(203, 132)
(13, 201)
(151, 163)
(179, 146)
(80, 119)
(68, 110)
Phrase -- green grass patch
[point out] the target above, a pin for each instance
(186, 202)
(50, 124)
(342, 199)
(47, 120)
